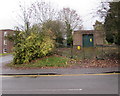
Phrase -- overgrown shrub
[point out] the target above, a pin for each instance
(35, 45)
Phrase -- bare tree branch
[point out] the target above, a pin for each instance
(42, 12)
(71, 17)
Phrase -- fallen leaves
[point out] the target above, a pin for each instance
(97, 63)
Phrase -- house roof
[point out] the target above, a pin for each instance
(85, 31)
(6, 30)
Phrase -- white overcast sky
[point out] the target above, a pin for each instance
(9, 10)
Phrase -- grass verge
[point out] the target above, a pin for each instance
(46, 62)
(3, 54)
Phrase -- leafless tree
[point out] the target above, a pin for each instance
(24, 18)
(70, 17)
(71, 21)
(42, 11)
(101, 11)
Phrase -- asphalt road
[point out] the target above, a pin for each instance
(83, 84)
(5, 59)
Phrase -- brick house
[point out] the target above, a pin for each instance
(87, 38)
(5, 45)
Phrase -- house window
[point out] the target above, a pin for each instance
(4, 50)
(5, 33)
(5, 42)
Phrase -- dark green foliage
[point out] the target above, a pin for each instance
(112, 23)
(69, 34)
(69, 41)
(57, 28)
(110, 38)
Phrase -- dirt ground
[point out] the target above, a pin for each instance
(95, 63)
(109, 58)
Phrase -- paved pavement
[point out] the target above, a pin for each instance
(8, 58)
(60, 71)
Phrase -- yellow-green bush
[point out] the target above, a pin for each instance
(32, 46)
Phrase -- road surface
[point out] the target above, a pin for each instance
(82, 84)
(5, 59)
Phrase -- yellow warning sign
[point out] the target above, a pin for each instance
(78, 47)
(90, 39)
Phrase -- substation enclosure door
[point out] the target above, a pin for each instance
(88, 40)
